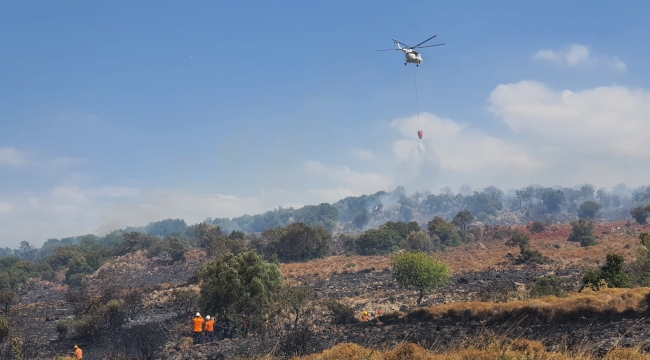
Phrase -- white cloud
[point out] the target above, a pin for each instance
(456, 147)
(361, 154)
(11, 156)
(594, 135)
(579, 55)
(5, 208)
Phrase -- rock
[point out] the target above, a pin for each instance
(480, 246)
(403, 308)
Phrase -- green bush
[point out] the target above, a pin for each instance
(341, 313)
(298, 242)
(589, 209)
(62, 327)
(378, 242)
(537, 227)
(547, 285)
(588, 241)
(418, 241)
(4, 329)
(526, 255)
(581, 228)
(611, 274)
(445, 231)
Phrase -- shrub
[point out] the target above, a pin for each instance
(588, 241)
(526, 255)
(581, 228)
(445, 231)
(242, 285)
(547, 285)
(4, 329)
(62, 327)
(298, 242)
(537, 227)
(640, 214)
(418, 241)
(184, 301)
(7, 299)
(610, 275)
(378, 242)
(341, 313)
(401, 228)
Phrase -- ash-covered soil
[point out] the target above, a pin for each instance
(45, 304)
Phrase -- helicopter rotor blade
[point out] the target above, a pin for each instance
(388, 50)
(420, 47)
(401, 43)
(412, 47)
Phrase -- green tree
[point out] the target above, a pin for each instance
(8, 298)
(237, 234)
(167, 227)
(589, 209)
(418, 241)
(640, 268)
(298, 242)
(552, 199)
(296, 299)
(640, 214)
(547, 285)
(582, 231)
(464, 218)
(611, 274)
(240, 285)
(361, 219)
(526, 254)
(445, 231)
(419, 271)
(401, 228)
(378, 242)
(173, 246)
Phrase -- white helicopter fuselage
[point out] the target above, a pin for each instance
(412, 56)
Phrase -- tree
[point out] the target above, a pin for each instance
(173, 246)
(611, 274)
(237, 234)
(464, 218)
(641, 266)
(298, 242)
(361, 219)
(494, 193)
(588, 209)
(419, 271)
(582, 231)
(482, 202)
(445, 231)
(240, 285)
(526, 255)
(401, 228)
(537, 227)
(640, 214)
(378, 242)
(8, 298)
(167, 227)
(25, 251)
(552, 199)
(296, 300)
(418, 241)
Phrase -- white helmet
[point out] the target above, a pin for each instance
(207, 317)
(198, 314)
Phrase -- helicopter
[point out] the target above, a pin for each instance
(412, 56)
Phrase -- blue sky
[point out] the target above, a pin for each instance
(121, 113)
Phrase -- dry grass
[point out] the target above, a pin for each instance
(603, 302)
(470, 257)
(518, 349)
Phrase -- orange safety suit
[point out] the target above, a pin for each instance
(198, 324)
(78, 354)
(209, 325)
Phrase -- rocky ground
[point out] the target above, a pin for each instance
(369, 288)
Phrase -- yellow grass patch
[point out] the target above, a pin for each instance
(588, 301)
